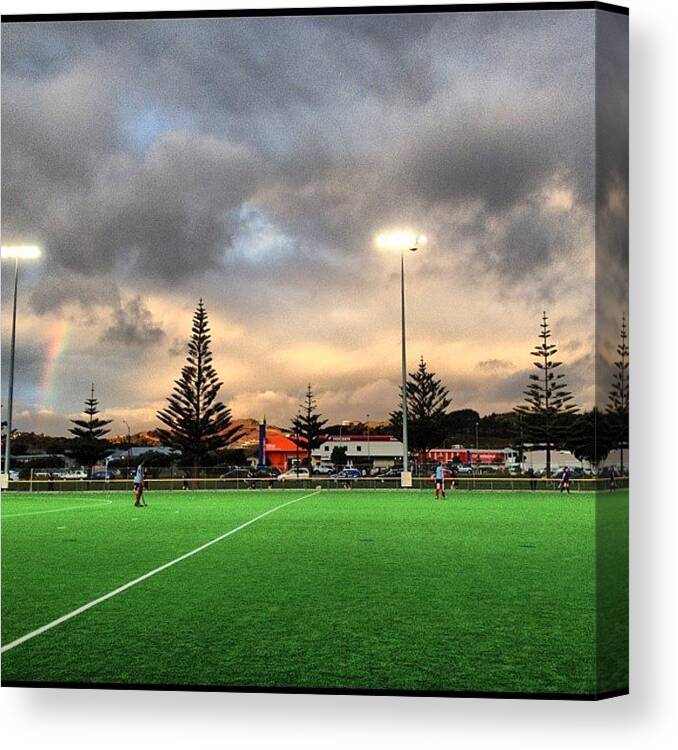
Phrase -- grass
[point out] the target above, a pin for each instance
(345, 590)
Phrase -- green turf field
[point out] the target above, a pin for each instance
(342, 589)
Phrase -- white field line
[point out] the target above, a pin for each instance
(140, 579)
(92, 504)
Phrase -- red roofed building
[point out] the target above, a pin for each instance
(280, 450)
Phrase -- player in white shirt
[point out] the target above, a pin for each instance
(439, 481)
(139, 501)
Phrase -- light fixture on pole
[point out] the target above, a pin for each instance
(369, 463)
(401, 241)
(16, 253)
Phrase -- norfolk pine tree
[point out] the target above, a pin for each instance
(618, 405)
(307, 424)
(548, 402)
(89, 444)
(427, 403)
(196, 423)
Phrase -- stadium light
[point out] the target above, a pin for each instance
(20, 251)
(400, 240)
(16, 253)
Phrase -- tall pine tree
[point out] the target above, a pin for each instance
(307, 425)
(427, 403)
(196, 423)
(618, 405)
(548, 411)
(89, 444)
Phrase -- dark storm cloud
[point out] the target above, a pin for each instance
(133, 325)
(499, 156)
(129, 146)
(27, 365)
(86, 292)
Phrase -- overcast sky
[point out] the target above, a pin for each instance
(251, 162)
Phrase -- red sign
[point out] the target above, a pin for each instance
(467, 455)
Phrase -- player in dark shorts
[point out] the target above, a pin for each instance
(439, 481)
(565, 480)
(613, 479)
(139, 501)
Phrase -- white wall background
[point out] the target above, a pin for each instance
(79, 719)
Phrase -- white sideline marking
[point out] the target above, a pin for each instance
(99, 503)
(124, 587)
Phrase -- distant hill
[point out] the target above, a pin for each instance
(136, 438)
(250, 438)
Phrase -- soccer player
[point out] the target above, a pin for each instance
(439, 481)
(139, 501)
(565, 480)
(613, 479)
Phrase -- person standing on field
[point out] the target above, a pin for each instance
(565, 480)
(139, 501)
(439, 481)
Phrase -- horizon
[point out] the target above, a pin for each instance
(122, 436)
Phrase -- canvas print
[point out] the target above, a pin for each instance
(315, 351)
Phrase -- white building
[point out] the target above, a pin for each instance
(536, 460)
(380, 450)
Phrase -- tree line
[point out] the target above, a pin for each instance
(196, 424)
(548, 419)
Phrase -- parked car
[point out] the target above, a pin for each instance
(347, 474)
(265, 472)
(14, 475)
(392, 473)
(301, 473)
(106, 475)
(324, 469)
(485, 469)
(464, 470)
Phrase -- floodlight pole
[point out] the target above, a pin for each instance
(369, 458)
(129, 445)
(404, 356)
(10, 395)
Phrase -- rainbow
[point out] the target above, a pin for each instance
(57, 341)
